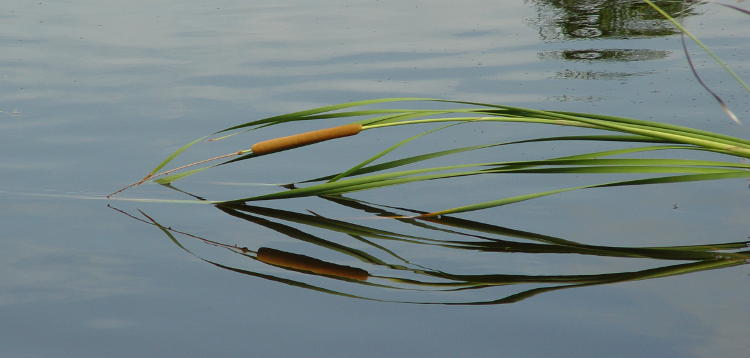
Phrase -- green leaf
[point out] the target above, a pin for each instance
(174, 155)
(388, 150)
(301, 115)
(660, 180)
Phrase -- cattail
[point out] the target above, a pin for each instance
(301, 139)
(307, 263)
(267, 147)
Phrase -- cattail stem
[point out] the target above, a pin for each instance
(156, 175)
(170, 171)
(266, 147)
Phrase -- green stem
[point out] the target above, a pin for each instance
(700, 43)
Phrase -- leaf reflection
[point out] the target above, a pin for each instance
(382, 269)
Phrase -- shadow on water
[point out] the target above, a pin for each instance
(444, 236)
(572, 21)
(622, 19)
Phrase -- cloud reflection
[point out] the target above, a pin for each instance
(41, 274)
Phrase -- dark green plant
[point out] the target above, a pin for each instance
(400, 274)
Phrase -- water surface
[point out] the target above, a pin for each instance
(93, 95)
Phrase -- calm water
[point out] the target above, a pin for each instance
(93, 96)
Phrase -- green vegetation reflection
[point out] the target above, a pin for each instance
(379, 265)
(567, 20)
(371, 264)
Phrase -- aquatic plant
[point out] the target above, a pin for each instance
(647, 135)
(628, 137)
(382, 269)
(366, 175)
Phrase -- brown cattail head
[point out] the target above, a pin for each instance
(307, 263)
(302, 139)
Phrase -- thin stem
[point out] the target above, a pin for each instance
(151, 176)
(700, 43)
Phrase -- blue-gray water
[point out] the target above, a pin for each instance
(95, 94)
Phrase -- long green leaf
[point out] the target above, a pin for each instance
(661, 180)
(301, 114)
(388, 150)
(174, 155)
